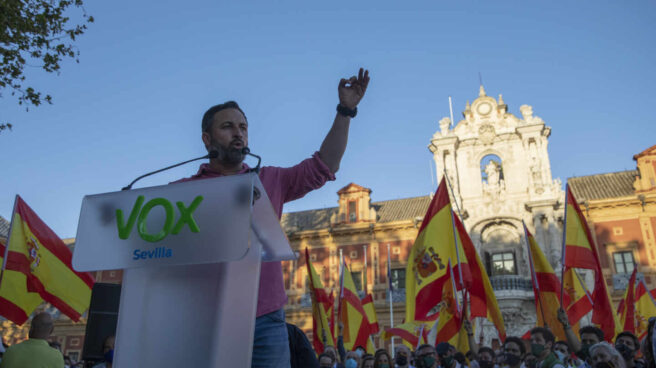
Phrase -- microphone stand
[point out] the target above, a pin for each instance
(212, 154)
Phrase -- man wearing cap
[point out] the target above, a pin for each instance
(225, 135)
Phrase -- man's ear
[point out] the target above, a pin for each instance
(206, 138)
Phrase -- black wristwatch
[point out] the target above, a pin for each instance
(346, 111)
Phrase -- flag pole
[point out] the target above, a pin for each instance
(455, 232)
(564, 249)
(365, 270)
(341, 287)
(11, 226)
(585, 289)
(536, 283)
(421, 334)
(389, 288)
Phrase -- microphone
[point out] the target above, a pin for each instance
(212, 154)
(247, 151)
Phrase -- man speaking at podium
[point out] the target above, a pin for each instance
(225, 131)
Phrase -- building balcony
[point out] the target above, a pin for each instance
(511, 282)
(398, 296)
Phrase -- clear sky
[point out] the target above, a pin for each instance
(149, 69)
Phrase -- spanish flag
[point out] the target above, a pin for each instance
(322, 305)
(16, 302)
(353, 316)
(412, 334)
(577, 302)
(546, 287)
(645, 307)
(580, 252)
(627, 309)
(370, 309)
(450, 322)
(483, 301)
(437, 243)
(35, 251)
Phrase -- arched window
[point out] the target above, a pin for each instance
(491, 169)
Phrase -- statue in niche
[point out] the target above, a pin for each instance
(495, 183)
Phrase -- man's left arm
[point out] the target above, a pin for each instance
(350, 93)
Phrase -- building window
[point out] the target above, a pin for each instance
(352, 214)
(396, 250)
(354, 254)
(357, 280)
(503, 264)
(624, 262)
(398, 278)
(618, 230)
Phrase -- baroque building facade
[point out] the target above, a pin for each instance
(500, 174)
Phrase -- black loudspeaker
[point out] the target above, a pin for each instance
(103, 316)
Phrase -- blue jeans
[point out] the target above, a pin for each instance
(271, 343)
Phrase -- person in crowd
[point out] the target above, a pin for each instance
(426, 357)
(368, 361)
(301, 352)
(530, 360)
(542, 341)
(604, 355)
(561, 349)
(590, 335)
(460, 358)
(627, 344)
(333, 352)
(35, 351)
(225, 136)
(108, 353)
(445, 354)
(513, 351)
(486, 357)
(402, 356)
(647, 347)
(382, 359)
(326, 360)
(353, 359)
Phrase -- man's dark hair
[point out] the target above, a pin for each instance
(459, 357)
(633, 337)
(518, 341)
(561, 342)
(547, 335)
(484, 349)
(208, 117)
(426, 346)
(593, 330)
(327, 356)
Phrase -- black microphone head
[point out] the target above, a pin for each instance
(213, 154)
(245, 151)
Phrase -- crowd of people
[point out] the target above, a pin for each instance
(541, 350)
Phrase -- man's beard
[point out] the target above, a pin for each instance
(228, 155)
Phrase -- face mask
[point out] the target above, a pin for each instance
(485, 364)
(384, 365)
(446, 362)
(560, 355)
(537, 349)
(531, 363)
(109, 356)
(359, 352)
(401, 360)
(425, 362)
(351, 363)
(511, 359)
(627, 352)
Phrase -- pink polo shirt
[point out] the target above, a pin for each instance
(282, 185)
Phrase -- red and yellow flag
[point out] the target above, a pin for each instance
(45, 261)
(483, 301)
(412, 334)
(16, 302)
(546, 287)
(436, 244)
(450, 321)
(322, 307)
(580, 252)
(370, 309)
(577, 302)
(352, 314)
(645, 307)
(627, 313)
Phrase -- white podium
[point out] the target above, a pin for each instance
(191, 254)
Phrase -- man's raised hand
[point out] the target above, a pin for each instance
(352, 90)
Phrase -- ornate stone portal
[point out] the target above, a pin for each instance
(500, 172)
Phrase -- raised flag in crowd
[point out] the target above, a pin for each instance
(322, 310)
(37, 267)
